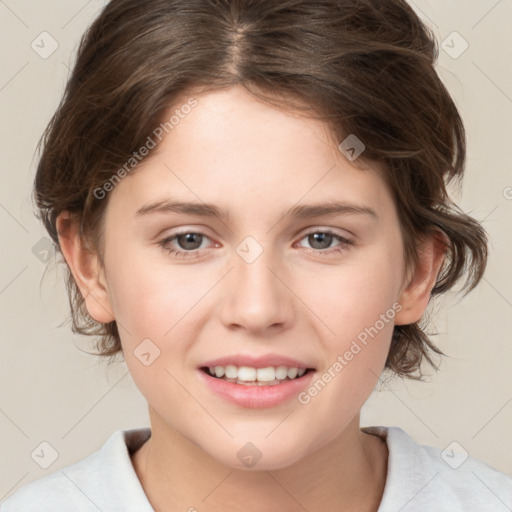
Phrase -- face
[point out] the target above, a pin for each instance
(266, 277)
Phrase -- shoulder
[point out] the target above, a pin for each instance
(421, 476)
(56, 490)
(91, 483)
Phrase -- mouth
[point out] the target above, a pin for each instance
(250, 376)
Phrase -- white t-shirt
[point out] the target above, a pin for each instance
(419, 480)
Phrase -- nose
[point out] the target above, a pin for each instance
(255, 296)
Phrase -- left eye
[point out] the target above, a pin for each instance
(324, 239)
(189, 242)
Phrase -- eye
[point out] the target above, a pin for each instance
(188, 244)
(322, 239)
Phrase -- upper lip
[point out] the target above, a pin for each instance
(257, 361)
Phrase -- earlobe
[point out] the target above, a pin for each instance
(86, 270)
(416, 294)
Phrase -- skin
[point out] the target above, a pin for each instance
(295, 300)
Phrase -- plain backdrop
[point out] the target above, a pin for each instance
(52, 392)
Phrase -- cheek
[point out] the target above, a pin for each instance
(150, 299)
(359, 307)
(355, 295)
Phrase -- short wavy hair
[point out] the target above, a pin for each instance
(364, 67)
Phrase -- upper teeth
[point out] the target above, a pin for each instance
(248, 374)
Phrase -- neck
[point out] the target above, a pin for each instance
(347, 474)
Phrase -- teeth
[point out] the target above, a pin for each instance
(281, 372)
(292, 373)
(231, 372)
(244, 373)
(259, 375)
(265, 374)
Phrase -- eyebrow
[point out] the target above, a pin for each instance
(300, 212)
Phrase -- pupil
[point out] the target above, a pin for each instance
(322, 237)
(189, 239)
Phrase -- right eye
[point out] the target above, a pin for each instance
(189, 241)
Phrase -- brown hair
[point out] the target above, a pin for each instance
(364, 67)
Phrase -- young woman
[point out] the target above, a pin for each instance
(250, 197)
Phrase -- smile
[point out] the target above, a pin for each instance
(255, 394)
(250, 376)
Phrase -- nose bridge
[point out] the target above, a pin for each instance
(256, 298)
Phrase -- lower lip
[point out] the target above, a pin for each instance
(257, 397)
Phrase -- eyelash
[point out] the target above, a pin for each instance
(344, 245)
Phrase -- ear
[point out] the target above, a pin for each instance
(86, 269)
(416, 292)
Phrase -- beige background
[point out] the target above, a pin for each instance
(51, 391)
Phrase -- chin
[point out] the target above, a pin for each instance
(250, 456)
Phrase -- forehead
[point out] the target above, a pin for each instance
(234, 150)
